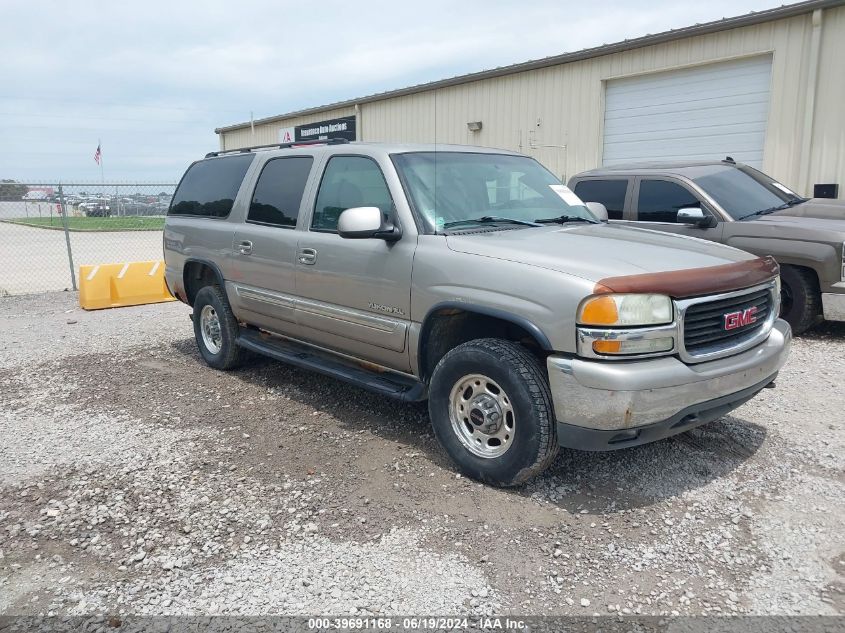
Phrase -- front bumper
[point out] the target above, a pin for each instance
(604, 405)
(833, 304)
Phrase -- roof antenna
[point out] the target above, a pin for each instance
(729, 159)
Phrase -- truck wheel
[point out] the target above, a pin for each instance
(800, 301)
(216, 329)
(491, 409)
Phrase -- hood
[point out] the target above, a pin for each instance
(597, 251)
(810, 228)
(821, 208)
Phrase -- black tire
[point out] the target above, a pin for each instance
(230, 355)
(800, 298)
(522, 377)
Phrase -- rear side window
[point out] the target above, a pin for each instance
(611, 193)
(278, 193)
(209, 187)
(660, 200)
(349, 181)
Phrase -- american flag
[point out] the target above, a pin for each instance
(97, 155)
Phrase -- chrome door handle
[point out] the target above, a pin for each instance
(307, 256)
(245, 247)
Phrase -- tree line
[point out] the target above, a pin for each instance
(12, 190)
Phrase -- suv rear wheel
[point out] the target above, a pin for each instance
(216, 329)
(491, 408)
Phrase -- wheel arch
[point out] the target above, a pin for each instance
(456, 322)
(196, 273)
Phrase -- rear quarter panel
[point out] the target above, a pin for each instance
(206, 239)
(185, 239)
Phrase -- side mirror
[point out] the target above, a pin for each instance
(598, 210)
(696, 217)
(365, 222)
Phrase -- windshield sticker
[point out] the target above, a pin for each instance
(567, 195)
(786, 190)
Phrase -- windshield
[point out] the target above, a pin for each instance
(464, 190)
(744, 191)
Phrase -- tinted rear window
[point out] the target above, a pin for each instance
(209, 187)
(611, 193)
(278, 193)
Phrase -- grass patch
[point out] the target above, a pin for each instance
(123, 223)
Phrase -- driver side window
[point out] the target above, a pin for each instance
(349, 181)
(660, 200)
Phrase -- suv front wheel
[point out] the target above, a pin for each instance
(800, 300)
(216, 329)
(491, 409)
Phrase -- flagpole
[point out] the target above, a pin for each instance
(102, 177)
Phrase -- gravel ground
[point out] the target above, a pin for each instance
(134, 479)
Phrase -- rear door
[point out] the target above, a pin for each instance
(355, 294)
(657, 200)
(263, 271)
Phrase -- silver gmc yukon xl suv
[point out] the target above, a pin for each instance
(472, 278)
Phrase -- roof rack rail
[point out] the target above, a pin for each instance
(244, 150)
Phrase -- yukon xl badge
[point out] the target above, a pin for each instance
(741, 318)
(384, 308)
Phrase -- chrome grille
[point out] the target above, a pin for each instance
(705, 322)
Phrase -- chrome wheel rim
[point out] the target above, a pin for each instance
(212, 338)
(482, 416)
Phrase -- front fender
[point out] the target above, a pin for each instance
(820, 257)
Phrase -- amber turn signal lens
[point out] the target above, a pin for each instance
(600, 311)
(642, 346)
(607, 347)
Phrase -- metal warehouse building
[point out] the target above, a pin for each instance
(766, 88)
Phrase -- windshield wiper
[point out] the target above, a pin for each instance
(563, 219)
(780, 207)
(795, 201)
(487, 219)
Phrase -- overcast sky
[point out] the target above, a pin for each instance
(153, 79)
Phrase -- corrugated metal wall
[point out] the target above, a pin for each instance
(556, 113)
(827, 149)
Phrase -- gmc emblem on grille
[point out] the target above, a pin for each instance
(741, 318)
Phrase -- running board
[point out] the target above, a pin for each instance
(386, 383)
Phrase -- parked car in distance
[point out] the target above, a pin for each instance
(472, 278)
(96, 208)
(737, 205)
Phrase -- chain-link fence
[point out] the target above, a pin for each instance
(47, 231)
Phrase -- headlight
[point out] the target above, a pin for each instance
(625, 310)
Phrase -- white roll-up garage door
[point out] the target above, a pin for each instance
(704, 112)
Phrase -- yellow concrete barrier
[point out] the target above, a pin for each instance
(118, 285)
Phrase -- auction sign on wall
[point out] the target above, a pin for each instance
(333, 128)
